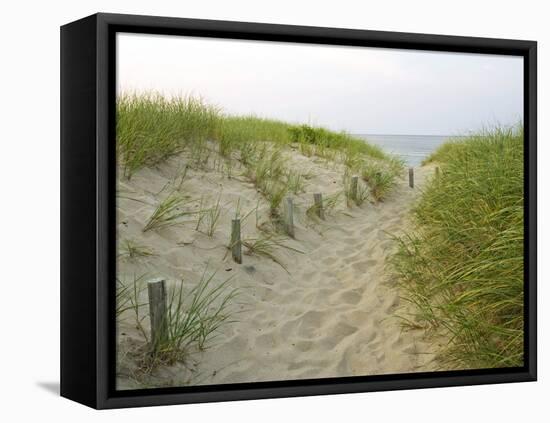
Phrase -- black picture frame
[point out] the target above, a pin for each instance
(88, 60)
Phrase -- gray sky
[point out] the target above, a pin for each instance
(360, 90)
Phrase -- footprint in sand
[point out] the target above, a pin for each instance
(382, 235)
(397, 343)
(336, 334)
(391, 304)
(309, 366)
(331, 260)
(364, 265)
(310, 323)
(309, 276)
(367, 230)
(265, 341)
(384, 245)
(310, 373)
(380, 357)
(351, 297)
(320, 298)
(352, 241)
(303, 346)
(371, 337)
(330, 277)
(351, 258)
(266, 294)
(344, 252)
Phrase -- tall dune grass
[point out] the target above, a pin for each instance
(340, 141)
(236, 132)
(150, 128)
(463, 266)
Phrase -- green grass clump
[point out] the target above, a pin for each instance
(169, 212)
(267, 171)
(150, 128)
(275, 193)
(307, 150)
(381, 177)
(265, 246)
(122, 298)
(128, 298)
(194, 317)
(209, 216)
(357, 196)
(340, 141)
(131, 249)
(295, 182)
(463, 266)
(329, 204)
(237, 131)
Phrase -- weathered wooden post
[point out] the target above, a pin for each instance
(236, 251)
(437, 171)
(411, 177)
(318, 201)
(289, 216)
(156, 290)
(353, 188)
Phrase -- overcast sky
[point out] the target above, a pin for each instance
(359, 90)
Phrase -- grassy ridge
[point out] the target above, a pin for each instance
(324, 139)
(237, 131)
(152, 128)
(463, 267)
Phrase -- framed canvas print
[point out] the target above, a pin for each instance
(254, 210)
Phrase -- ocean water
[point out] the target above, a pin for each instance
(411, 148)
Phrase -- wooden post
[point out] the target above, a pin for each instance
(353, 188)
(437, 171)
(236, 251)
(156, 290)
(318, 201)
(289, 217)
(411, 177)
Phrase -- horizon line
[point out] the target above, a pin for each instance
(415, 135)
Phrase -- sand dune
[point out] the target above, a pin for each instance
(330, 313)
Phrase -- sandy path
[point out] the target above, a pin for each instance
(332, 314)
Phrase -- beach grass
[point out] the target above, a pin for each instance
(340, 141)
(460, 265)
(295, 182)
(381, 177)
(128, 298)
(463, 265)
(209, 217)
(169, 212)
(237, 131)
(151, 128)
(195, 316)
(122, 298)
(131, 249)
(357, 196)
(266, 245)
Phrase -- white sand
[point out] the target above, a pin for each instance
(332, 314)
